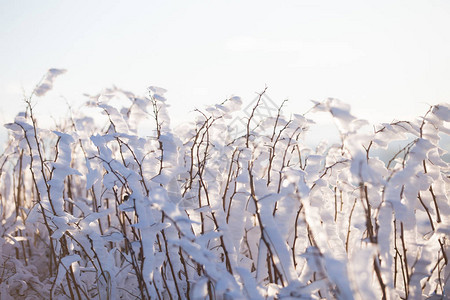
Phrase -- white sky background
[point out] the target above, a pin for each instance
(388, 59)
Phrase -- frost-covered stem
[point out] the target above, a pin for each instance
(163, 276)
(368, 150)
(22, 245)
(70, 286)
(423, 121)
(329, 168)
(313, 243)
(201, 164)
(376, 265)
(238, 168)
(441, 280)
(156, 289)
(211, 290)
(163, 266)
(396, 257)
(364, 195)
(436, 267)
(444, 253)
(95, 205)
(284, 163)
(184, 263)
(96, 256)
(18, 202)
(202, 217)
(350, 225)
(296, 233)
(125, 218)
(119, 177)
(141, 253)
(111, 123)
(335, 204)
(69, 193)
(251, 117)
(269, 269)
(169, 260)
(228, 181)
(222, 244)
(405, 149)
(203, 161)
(158, 132)
(299, 154)
(407, 279)
(438, 215)
(261, 225)
(109, 215)
(427, 210)
(77, 286)
(192, 156)
(277, 119)
(272, 150)
(121, 219)
(70, 274)
(18, 199)
(62, 287)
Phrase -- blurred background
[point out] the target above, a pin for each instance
(387, 59)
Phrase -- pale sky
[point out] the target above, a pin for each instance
(388, 59)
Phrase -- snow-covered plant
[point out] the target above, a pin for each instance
(94, 210)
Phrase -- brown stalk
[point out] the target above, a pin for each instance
(349, 225)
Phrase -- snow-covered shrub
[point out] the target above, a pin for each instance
(95, 211)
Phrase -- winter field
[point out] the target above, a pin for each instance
(90, 209)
